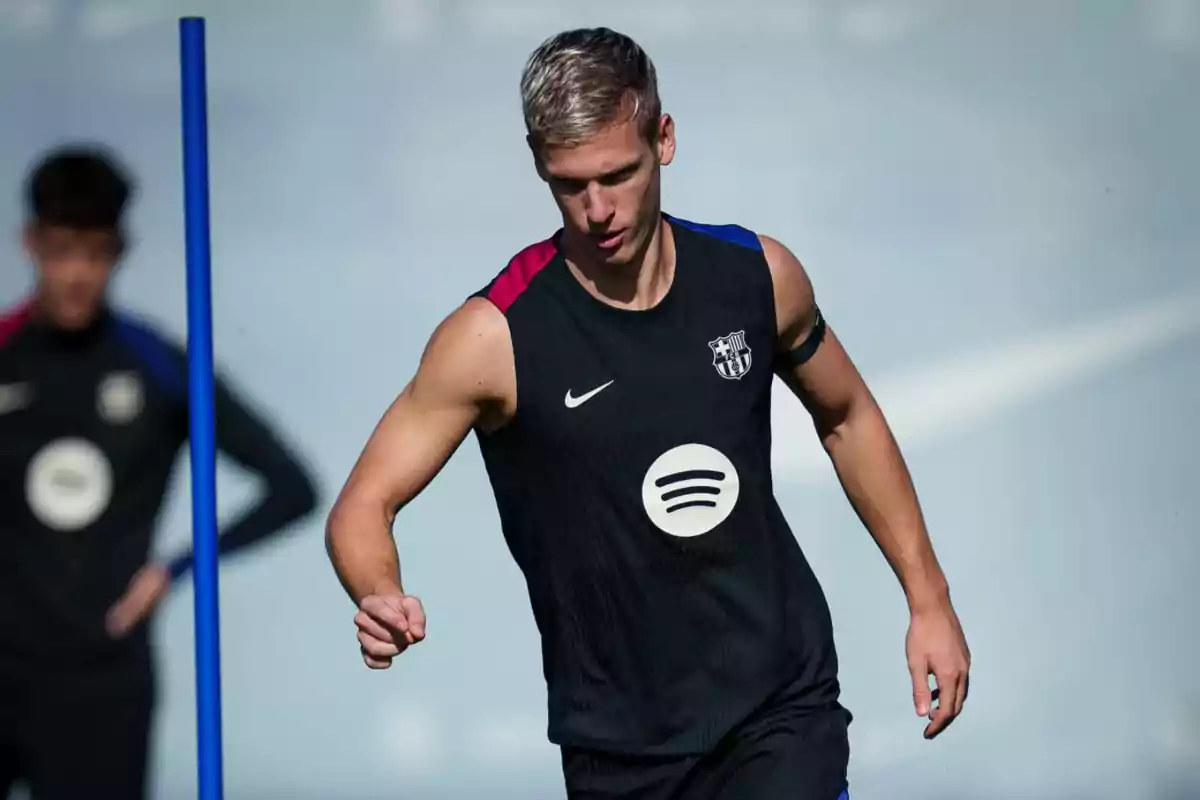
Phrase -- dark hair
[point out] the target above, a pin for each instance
(79, 187)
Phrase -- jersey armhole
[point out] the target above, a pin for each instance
(779, 356)
(483, 294)
(503, 292)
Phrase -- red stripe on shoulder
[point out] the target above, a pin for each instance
(517, 276)
(13, 321)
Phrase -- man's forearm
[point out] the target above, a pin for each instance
(879, 487)
(359, 541)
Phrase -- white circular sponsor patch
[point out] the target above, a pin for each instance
(119, 399)
(69, 484)
(690, 489)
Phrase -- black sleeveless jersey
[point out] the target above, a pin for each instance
(635, 493)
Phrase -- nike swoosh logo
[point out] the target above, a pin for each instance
(576, 402)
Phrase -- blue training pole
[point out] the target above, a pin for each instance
(200, 402)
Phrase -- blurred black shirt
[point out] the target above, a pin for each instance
(91, 425)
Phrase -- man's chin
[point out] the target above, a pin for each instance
(616, 260)
(622, 256)
(72, 319)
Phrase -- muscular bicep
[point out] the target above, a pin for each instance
(409, 446)
(464, 380)
(809, 357)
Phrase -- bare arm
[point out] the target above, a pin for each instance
(877, 483)
(854, 432)
(465, 378)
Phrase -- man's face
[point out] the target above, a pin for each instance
(608, 188)
(73, 269)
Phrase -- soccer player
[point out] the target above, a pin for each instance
(93, 413)
(618, 378)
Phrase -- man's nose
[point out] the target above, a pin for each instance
(597, 205)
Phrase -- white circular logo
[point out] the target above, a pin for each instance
(119, 399)
(69, 484)
(690, 489)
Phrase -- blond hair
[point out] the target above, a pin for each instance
(581, 81)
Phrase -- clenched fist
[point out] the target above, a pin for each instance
(387, 625)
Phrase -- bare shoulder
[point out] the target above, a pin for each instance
(471, 330)
(470, 356)
(795, 302)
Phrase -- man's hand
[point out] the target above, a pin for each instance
(936, 646)
(387, 624)
(148, 586)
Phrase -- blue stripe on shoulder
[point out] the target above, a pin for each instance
(734, 234)
(160, 360)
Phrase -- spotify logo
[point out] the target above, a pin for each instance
(689, 490)
(68, 484)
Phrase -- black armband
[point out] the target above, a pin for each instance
(801, 353)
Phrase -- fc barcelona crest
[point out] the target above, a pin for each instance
(119, 399)
(731, 355)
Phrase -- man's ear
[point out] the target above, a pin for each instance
(666, 140)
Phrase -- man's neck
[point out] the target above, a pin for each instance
(638, 285)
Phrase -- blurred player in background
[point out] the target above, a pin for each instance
(618, 377)
(93, 414)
